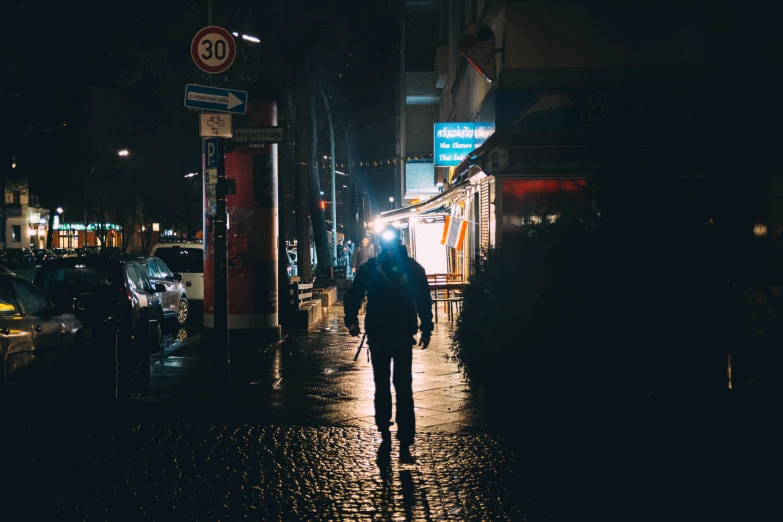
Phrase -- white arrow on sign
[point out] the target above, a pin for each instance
(233, 101)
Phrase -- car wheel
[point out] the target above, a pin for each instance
(183, 311)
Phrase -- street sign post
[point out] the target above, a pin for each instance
(213, 49)
(215, 99)
(215, 125)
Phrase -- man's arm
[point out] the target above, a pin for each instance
(354, 297)
(423, 301)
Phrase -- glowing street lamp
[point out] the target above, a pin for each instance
(191, 174)
(59, 210)
(123, 153)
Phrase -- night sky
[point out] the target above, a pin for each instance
(142, 51)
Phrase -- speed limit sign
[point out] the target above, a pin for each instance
(213, 49)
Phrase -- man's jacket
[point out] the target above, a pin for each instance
(397, 291)
(362, 255)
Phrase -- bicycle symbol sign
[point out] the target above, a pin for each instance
(215, 119)
(216, 125)
(213, 49)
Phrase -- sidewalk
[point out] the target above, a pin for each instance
(295, 441)
(310, 379)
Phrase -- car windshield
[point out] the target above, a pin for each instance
(182, 260)
(83, 280)
(60, 251)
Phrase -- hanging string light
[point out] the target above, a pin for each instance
(375, 163)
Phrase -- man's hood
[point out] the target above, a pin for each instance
(399, 252)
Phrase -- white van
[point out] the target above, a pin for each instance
(186, 258)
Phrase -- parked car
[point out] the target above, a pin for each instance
(175, 298)
(99, 289)
(65, 252)
(42, 255)
(36, 337)
(80, 252)
(186, 258)
(17, 258)
(107, 252)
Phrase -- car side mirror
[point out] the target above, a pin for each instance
(159, 288)
(177, 277)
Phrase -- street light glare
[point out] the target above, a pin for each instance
(191, 174)
(123, 152)
(391, 200)
(59, 210)
(250, 38)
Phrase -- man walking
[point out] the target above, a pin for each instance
(362, 254)
(350, 247)
(397, 290)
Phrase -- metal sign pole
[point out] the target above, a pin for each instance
(219, 241)
(221, 260)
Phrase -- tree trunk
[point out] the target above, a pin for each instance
(317, 217)
(143, 233)
(50, 232)
(304, 93)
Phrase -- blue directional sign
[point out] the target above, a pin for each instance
(215, 99)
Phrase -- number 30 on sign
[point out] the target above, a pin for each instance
(213, 49)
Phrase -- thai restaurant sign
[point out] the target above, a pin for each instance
(454, 141)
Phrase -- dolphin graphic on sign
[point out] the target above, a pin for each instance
(545, 102)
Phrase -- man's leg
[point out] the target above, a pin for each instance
(381, 371)
(403, 389)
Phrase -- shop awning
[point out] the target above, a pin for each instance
(435, 203)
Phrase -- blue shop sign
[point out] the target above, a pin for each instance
(455, 140)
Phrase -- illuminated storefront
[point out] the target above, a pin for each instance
(77, 235)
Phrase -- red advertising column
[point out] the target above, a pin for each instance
(251, 237)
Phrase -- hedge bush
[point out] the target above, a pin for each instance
(587, 312)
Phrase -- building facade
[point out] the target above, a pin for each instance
(567, 94)
(26, 224)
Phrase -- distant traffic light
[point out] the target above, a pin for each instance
(323, 205)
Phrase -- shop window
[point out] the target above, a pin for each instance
(16, 233)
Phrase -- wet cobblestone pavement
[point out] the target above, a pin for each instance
(294, 441)
(186, 472)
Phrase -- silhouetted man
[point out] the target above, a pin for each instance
(397, 290)
(362, 254)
